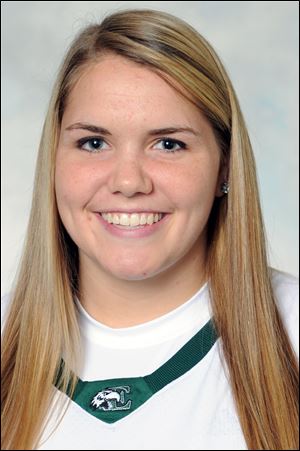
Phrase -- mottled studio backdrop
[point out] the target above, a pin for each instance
(258, 43)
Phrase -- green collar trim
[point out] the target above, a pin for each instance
(112, 399)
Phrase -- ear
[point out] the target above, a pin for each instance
(222, 177)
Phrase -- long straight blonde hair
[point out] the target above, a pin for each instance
(42, 321)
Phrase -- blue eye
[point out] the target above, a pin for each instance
(97, 144)
(91, 144)
(171, 145)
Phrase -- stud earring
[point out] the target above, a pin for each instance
(225, 187)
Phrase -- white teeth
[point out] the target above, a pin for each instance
(150, 219)
(116, 219)
(124, 220)
(143, 219)
(133, 219)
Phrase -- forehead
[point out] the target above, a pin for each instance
(115, 75)
(116, 84)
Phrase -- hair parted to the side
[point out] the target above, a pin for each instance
(42, 322)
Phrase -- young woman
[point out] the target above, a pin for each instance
(145, 315)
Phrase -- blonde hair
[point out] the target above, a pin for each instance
(42, 322)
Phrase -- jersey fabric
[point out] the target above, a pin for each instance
(191, 411)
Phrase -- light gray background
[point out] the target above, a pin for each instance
(257, 42)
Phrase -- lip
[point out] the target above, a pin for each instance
(131, 210)
(124, 232)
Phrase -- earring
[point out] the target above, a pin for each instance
(225, 187)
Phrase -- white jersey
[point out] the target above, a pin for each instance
(194, 410)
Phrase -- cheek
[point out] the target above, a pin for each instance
(73, 184)
(193, 184)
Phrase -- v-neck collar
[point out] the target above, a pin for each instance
(189, 315)
(110, 400)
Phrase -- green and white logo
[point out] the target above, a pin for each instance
(112, 398)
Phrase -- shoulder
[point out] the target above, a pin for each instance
(286, 292)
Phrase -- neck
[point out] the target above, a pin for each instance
(121, 303)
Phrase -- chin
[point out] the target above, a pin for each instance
(131, 272)
(135, 272)
(131, 275)
(129, 267)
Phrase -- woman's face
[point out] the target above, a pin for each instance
(133, 150)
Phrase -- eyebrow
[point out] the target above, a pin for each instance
(89, 127)
(154, 132)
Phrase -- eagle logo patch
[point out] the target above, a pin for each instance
(112, 398)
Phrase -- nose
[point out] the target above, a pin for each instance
(130, 177)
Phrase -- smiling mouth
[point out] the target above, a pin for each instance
(132, 220)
